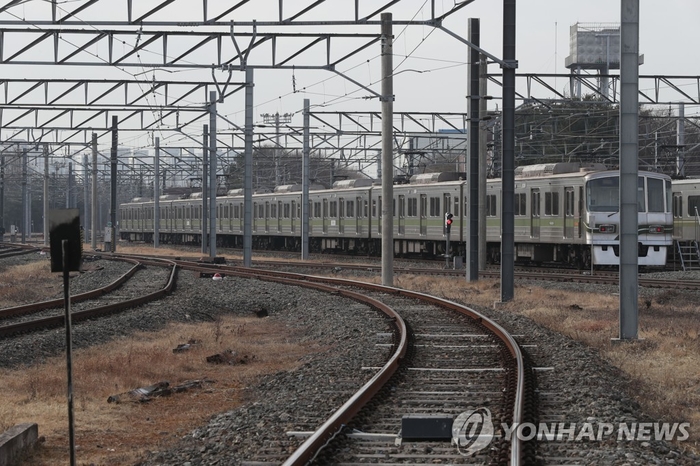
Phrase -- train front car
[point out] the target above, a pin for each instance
(602, 218)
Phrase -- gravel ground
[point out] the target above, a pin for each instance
(590, 388)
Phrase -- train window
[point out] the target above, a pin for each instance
(393, 207)
(366, 208)
(402, 206)
(317, 209)
(455, 208)
(693, 205)
(491, 205)
(286, 212)
(535, 203)
(273, 211)
(412, 207)
(677, 205)
(569, 202)
(603, 194)
(446, 203)
(423, 205)
(669, 193)
(641, 202)
(374, 207)
(341, 205)
(551, 204)
(350, 210)
(333, 209)
(520, 204)
(435, 207)
(655, 198)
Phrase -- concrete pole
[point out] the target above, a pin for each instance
(305, 185)
(508, 169)
(69, 186)
(483, 163)
(629, 145)
(93, 235)
(113, 183)
(156, 197)
(205, 189)
(387, 92)
(212, 174)
(2, 192)
(86, 198)
(248, 174)
(46, 195)
(472, 219)
(24, 196)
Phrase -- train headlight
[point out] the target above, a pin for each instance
(656, 229)
(607, 228)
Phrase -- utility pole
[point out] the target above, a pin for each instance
(113, 183)
(205, 191)
(46, 194)
(93, 228)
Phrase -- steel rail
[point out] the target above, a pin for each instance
(303, 454)
(56, 321)
(35, 307)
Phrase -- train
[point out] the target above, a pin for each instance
(566, 213)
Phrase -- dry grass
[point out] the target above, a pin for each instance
(664, 367)
(27, 283)
(118, 434)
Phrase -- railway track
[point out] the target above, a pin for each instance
(124, 293)
(485, 362)
(450, 365)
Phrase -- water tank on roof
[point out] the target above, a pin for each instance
(359, 183)
(435, 177)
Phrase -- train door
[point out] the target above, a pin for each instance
(423, 215)
(325, 216)
(341, 215)
(279, 216)
(402, 215)
(351, 223)
(535, 213)
(379, 215)
(267, 216)
(568, 212)
(358, 215)
(677, 215)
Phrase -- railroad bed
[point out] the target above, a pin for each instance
(580, 386)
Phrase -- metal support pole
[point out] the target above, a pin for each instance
(213, 185)
(305, 207)
(248, 174)
(156, 196)
(508, 168)
(46, 196)
(473, 165)
(113, 185)
(387, 210)
(680, 140)
(205, 189)
(93, 235)
(629, 145)
(24, 196)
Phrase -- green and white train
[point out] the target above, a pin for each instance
(564, 213)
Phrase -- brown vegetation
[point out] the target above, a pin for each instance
(664, 365)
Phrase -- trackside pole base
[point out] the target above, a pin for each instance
(622, 341)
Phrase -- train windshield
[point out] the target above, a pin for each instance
(603, 194)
